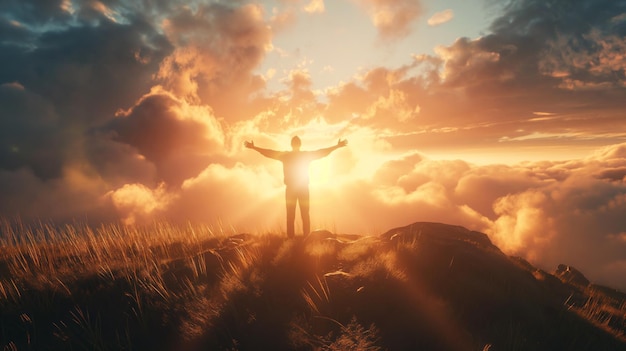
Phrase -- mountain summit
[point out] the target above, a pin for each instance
(425, 286)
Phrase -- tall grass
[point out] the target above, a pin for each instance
(604, 310)
(186, 287)
(49, 253)
(63, 277)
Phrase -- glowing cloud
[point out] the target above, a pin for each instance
(392, 18)
(315, 6)
(138, 202)
(440, 18)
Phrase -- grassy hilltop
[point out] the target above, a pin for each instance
(426, 286)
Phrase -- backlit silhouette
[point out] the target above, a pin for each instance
(296, 177)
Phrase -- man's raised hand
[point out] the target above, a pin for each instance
(249, 144)
(342, 143)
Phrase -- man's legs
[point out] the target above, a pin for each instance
(303, 198)
(290, 201)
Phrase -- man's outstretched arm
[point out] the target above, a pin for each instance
(265, 152)
(324, 152)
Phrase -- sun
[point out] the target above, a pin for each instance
(320, 172)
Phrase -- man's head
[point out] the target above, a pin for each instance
(296, 143)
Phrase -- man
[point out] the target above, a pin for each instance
(296, 177)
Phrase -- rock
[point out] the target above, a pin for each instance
(320, 234)
(437, 231)
(571, 275)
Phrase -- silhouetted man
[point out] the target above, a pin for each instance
(296, 177)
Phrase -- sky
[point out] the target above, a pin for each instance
(505, 117)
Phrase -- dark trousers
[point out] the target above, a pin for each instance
(293, 196)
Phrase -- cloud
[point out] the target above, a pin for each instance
(54, 85)
(30, 134)
(37, 13)
(392, 18)
(75, 195)
(242, 197)
(14, 32)
(170, 133)
(440, 18)
(581, 42)
(299, 83)
(549, 213)
(76, 67)
(118, 163)
(217, 48)
(136, 202)
(315, 6)
(575, 222)
(96, 9)
(587, 62)
(480, 188)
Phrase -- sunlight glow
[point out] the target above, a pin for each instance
(320, 172)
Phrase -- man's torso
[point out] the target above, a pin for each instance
(296, 168)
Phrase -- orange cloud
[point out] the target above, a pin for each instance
(440, 18)
(315, 6)
(245, 197)
(102, 9)
(217, 48)
(392, 18)
(136, 202)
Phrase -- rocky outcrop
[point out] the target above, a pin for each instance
(571, 275)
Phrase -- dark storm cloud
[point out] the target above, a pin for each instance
(576, 41)
(35, 12)
(546, 46)
(65, 68)
(550, 17)
(118, 163)
(154, 129)
(88, 72)
(14, 33)
(29, 132)
(178, 138)
(69, 80)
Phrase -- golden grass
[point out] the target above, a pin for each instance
(602, 310)
(44, 250)
(210, 282)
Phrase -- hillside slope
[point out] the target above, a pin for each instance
(426, 286)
